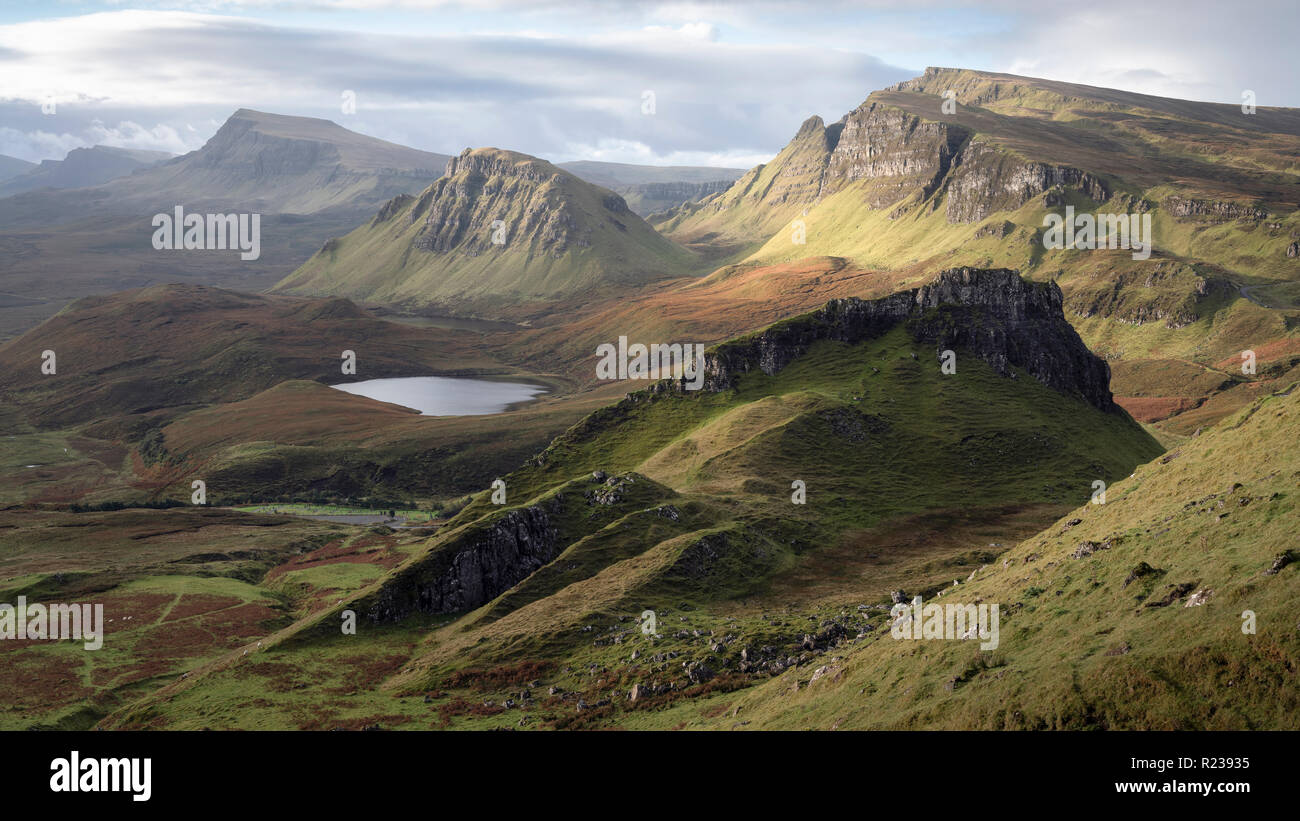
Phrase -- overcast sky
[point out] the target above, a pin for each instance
(568, 80)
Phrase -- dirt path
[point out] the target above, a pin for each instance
(1247, 292)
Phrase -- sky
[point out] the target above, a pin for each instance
(656, 83)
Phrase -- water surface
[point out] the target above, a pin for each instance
(445, 396)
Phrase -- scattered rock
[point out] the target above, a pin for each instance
(1176, 592)
(1280, 561)
(1142, 569)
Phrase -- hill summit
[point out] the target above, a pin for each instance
(499, 227)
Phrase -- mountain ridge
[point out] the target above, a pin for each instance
(499, 228)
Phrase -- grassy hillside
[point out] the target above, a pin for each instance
(501, 229)
(681, 503)
(156, 387)
(1142, 632)
(1122, 615)
(163, 349)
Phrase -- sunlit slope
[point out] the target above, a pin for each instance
(1123, 615)
(962, 167)
(500, 228)
(686, 499)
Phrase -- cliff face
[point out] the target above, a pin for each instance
(475, 569)
(494, 554)
(892, 154)
(1186, 208)
(986, 180)
(896, 152)
(650, 197)
(994, 314)
(769, 194)
(483, 186)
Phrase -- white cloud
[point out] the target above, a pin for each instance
(638, 153)
(541, 95)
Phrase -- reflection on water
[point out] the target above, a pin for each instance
(445, 396)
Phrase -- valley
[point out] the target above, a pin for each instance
(904, 392)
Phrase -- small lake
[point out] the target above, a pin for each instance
(445, 396)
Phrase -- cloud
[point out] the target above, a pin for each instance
(565, 80)
(545, 95)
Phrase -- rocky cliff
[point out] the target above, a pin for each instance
(475, 568)
(497, 230)
(994, 314)
(484, 559)
(891, 154)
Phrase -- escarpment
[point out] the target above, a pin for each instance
(488, 557)
(475, 568)
(1004, 320)
(463, 210)
(897, 148)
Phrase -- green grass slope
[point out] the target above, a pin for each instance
(680, 502)
(1124, 615)
(500, 228)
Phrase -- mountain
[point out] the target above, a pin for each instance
(651, 188)
(82, 168)
(680, 502)
(499, 229)
(256, 162)
(913, 181)
(12, 167)
(284, 164)
(308, 179)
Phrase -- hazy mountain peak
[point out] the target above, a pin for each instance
(12, 167)
(83, 167)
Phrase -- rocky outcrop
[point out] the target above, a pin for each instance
(992, 313)
(524, 193)
(1187, 208)
(391, 208)
(895, 152)
(475, 568)
(1167, 292)
(987, 180)
(482, 560)
(782, 187)
(892, 155)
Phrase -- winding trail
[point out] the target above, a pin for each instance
(1246, 293)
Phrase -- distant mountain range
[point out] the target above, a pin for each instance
(650, 188)
(87, 217)
(83, 167)
(308, 178)
(256, 162)
(11, 167)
